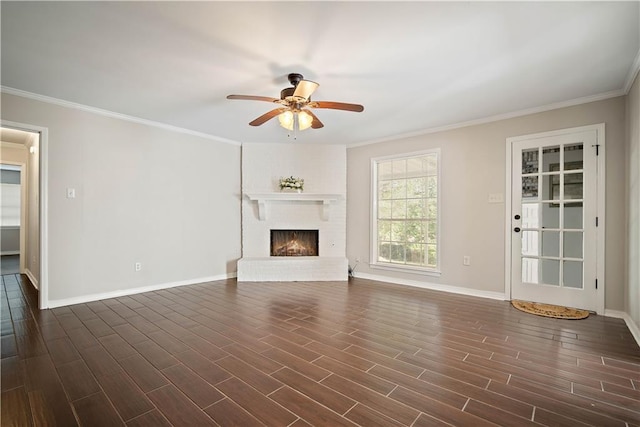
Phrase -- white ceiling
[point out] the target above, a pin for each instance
(415, 66)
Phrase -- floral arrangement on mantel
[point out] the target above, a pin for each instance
(292, 183)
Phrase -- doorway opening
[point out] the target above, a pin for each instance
(22, 246)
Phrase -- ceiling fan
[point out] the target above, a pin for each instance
(295, 102)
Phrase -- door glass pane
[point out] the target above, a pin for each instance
(529, 187)
(551, 187)
(550, 215)
(550, 159)
(530, 215)
(573, 186)
(530, 243)
(550, 271)
(530, 161)
(530, 270)
(573, 156)
(551, 243)
(573, 215)
(572, 274)
(572, 244)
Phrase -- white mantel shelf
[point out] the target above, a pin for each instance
(264, 198)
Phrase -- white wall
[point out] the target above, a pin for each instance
(473, 166)
(632, 289)
(143, 194)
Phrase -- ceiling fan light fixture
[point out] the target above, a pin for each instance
(286, 120)
(304, 120)
(299, 120)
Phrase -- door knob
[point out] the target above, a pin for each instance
(517, 229)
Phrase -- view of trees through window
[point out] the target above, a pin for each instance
(407, 210)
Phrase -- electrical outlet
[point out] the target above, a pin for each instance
(138, 266)
(466, 260)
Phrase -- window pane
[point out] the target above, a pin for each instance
(397, 253)
(550, 215)
(573, 186)
(572, 244)
(415, 231)
(573, 215)
(572, 274)
(551, 243)
(432, 231)
(530, 270)
(551, 187)
(550, 271)
(530, 243)
(530, 215)
(530, 161)
(384, 190)
(415, 209)
(416, 187)
(398, 209)
(399, 168)
(573, 156)
(550, 159)
(415, 254)
(384, 209)
(416, 167)
(407, 215)
(432, 187)
(432, 208)
(384, 231)
(399, 189)
(384, 251)
(431, 256)
(385, 171)
(397, 231)
(529, 187)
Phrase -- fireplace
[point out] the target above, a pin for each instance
(294, 242)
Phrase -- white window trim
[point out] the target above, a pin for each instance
(374, 220)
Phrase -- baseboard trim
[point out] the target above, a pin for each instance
(124, 292)
(633, 327)
(32, 278)
(434, 286)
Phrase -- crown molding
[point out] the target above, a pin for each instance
(633, 72)
(107, 113)
(496, 118)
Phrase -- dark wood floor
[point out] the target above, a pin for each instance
(299, 354)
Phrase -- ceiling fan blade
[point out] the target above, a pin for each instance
(253, 98)
(337, 106)
(316, 123)
(304, 89)
(266, 116)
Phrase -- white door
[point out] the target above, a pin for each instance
(554, 219)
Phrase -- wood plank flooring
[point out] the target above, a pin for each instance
(309, 353)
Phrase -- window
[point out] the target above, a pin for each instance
(405, 211)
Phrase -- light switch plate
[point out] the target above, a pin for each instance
(496, 198)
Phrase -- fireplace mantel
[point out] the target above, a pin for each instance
(263, 199)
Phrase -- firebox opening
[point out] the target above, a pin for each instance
(294, 242)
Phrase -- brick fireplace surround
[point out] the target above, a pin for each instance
(322, 207)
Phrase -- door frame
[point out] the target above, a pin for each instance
(43, 153)
(599, 129)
